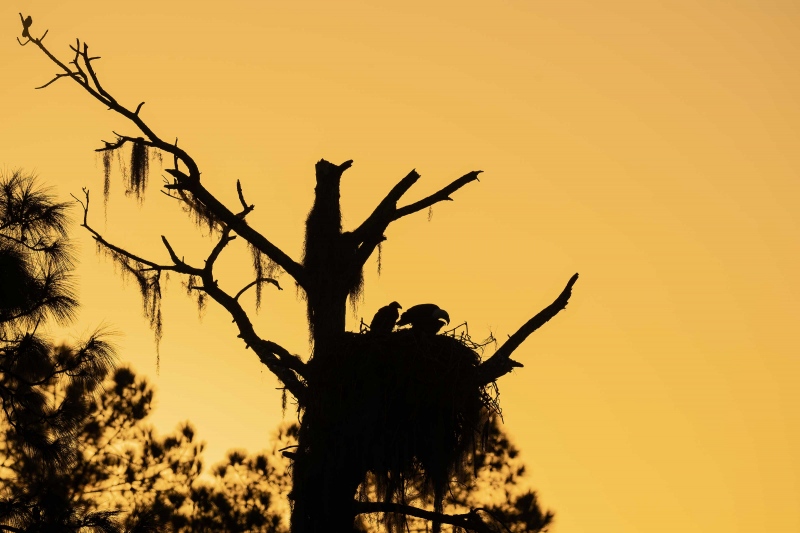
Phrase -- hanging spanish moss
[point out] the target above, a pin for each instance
(157, 325)
(107, 155)
(201, 215)
(394, 408)
(123, 168)
(192, 285)
(356, 294)
(263, 267)
(149, 282)
(380, 258)
(140, 164)
(328, 269)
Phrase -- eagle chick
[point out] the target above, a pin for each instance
(385, 319)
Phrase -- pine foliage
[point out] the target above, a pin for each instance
(39, 422)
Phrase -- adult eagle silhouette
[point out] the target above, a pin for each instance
(385, 319)
(426, 318)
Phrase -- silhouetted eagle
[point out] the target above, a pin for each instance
(427, 318)
(385, 318)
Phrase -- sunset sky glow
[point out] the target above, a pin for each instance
(646, 145)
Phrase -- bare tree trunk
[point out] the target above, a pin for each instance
(324, 483)
(326, 259)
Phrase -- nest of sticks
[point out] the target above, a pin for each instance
(403, 409)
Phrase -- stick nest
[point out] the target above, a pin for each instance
(403, 408)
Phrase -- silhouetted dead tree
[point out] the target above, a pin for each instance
(333, 386)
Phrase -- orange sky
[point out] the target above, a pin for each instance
(650, 146)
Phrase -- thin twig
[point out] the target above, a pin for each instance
(256, 282)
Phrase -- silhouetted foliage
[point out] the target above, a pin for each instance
(124, 477)
(157, 480)
(35, 257)
(123, 472)
(413, 425)
(39, 422)
(499, 487)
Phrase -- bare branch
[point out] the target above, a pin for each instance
(179, 266)
(381, 216)
(189, 181)
(370, 233)
(501, 363)
(256, 282)
(223, 242)
(277, 359)
(79, 77)
(245, 207)
(470, 521)
(368, 246)
(180, 178)
(252, 236)
(121, 140)
(439, 196)
(175, 155)
(58, 77)
(171, 252)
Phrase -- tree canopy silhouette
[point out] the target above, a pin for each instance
(407, 406)
(35, 286)
(124, 477)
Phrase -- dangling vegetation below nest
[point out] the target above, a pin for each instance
(398, 407)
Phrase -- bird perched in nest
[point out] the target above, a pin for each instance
(385, 319)
(425, 318)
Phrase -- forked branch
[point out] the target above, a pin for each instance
(178, 265)
(439, 196)
(82, 71)
(287, 367)
(370, 233)
(383, 213)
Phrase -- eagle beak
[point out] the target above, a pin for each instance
(442, 314)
